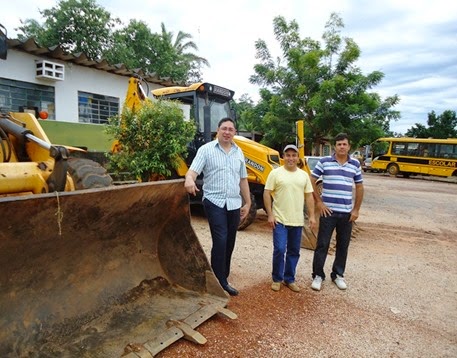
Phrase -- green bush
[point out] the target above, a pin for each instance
(152, 139)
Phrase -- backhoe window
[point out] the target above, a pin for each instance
(218, 108)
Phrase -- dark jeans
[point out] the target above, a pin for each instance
(340, 222)
(286, 252)
(223, 225)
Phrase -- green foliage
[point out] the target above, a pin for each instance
(321, 84)
(153, 139)
(75, 25)
(137, 46)
(442, 126)
(182, 47)
(134, 46)
(245, 107)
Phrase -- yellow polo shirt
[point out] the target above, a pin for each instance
(288, 191)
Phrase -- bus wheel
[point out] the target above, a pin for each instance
(392, 169)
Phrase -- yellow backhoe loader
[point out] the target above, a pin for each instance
(89, 269)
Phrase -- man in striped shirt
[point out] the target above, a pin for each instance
(224, 179)
(337, 211)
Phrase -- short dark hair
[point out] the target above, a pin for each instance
(340, 136)
(226, 119)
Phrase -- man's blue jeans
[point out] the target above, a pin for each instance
(223, 225)
(340, 222)
(286, 252)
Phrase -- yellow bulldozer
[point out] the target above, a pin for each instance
(89, 269)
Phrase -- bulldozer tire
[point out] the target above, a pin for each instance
(248, 220)
(87, 174)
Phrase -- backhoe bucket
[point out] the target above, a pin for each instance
(106, 272)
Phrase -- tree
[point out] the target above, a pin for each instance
(152, 138)
(319, 83)
(182, 46)
(136, 47)
(442, 126)
(75, 25)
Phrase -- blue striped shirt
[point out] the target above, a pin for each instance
(337, 182)
(222, 173)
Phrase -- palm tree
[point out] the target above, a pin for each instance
(182, 45)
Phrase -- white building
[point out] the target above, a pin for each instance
(64, 87)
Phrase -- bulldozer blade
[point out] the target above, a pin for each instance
(92, 273)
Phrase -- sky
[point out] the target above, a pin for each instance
(414, 43)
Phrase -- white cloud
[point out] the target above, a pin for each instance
(412, 41)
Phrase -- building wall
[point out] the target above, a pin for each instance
(21, 66)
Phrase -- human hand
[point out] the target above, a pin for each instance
(272, 221)
(354, 215)
(244, 211)
(191, 187)
(312, 223)
(324, 210)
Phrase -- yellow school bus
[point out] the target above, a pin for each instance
(410, 156)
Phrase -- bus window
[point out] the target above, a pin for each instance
(433, 150)
(423, 150)
(413, 149)
(398, 148)
(448, 151)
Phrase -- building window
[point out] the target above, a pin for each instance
(96, 108)
(18, 96)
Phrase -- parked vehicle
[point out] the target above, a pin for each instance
(412, 156)
(366, 165)
(312, 161)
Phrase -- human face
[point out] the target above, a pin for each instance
(226, 132)
(342, 148)
(290, 159)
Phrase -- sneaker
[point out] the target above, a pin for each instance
(293, 286)
(317, 283)
(276, 286)
(340, 283)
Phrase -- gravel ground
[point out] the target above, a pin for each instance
(402, 278)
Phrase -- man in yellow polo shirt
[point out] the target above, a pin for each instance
(286, 190)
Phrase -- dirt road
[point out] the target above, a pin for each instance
(402, 278)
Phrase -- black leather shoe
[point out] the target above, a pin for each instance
(231, 291)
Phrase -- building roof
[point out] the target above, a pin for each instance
(56, 52)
